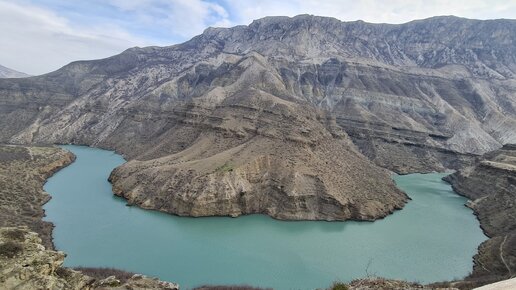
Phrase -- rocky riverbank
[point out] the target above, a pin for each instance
(491, 186)
(23, 171)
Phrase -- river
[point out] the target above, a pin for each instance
(433, 238)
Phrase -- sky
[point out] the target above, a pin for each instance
(40, 36)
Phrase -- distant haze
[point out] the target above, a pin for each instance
(6, 72)
(40, 36)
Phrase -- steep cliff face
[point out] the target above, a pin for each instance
(279, 106)
(491, 186)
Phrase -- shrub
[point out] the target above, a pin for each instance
(15, 234)
(63, 272)
(339, 286)
(227, 167)
(10, 249)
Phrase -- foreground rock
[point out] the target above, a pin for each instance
(23, 171)
(502, 285)
(26, 264)
(491, 186)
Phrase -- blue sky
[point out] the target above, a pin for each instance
(39, 36)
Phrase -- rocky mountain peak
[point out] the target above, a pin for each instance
(430, 43)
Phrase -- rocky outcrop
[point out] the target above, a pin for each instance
(23, 171)
(268, 156)
(276, 117)
(491, 186)
(26, 264)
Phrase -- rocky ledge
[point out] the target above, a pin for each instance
(491, 187)
(26, 264)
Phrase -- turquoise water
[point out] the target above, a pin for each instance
(433, 238)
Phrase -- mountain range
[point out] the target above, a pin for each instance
(297, 118)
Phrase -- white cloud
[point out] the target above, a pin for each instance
(185, 18)
(36, 40)
(377, 11)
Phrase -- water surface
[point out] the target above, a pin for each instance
(432, 239)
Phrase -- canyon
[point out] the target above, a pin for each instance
(288, 117)
(298, 118)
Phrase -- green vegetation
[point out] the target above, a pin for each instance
(339, 286)
(227, 167)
